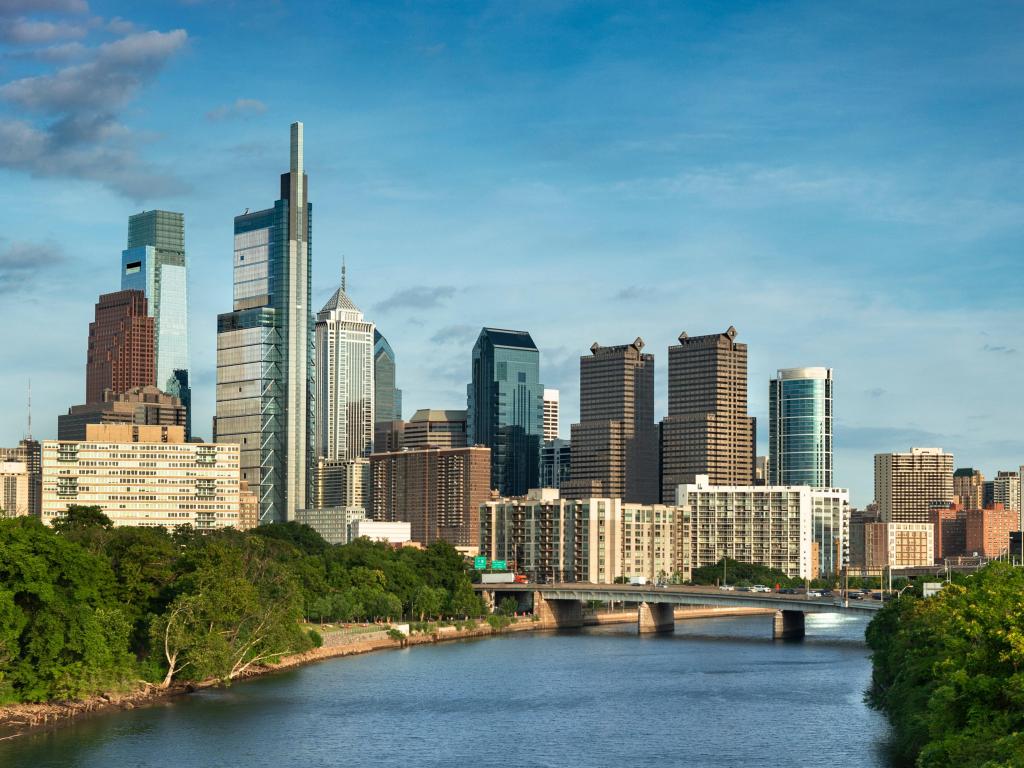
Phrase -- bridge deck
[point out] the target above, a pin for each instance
(687, 596)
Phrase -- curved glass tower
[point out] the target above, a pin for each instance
(800, 427)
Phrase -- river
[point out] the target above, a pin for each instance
(716, 693)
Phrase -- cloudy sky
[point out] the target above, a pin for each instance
(841, 182)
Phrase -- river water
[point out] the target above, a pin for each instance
(716, 693)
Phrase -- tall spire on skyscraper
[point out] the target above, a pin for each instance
(343, 273)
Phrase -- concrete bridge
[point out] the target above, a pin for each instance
(561, 605)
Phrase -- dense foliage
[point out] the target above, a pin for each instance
(742, 574)
(948, 671)
(86, 607)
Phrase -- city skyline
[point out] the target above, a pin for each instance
(846, 253)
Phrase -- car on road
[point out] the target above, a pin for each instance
(760, 588)
(727, 588)
(787, 591)
(814, 593)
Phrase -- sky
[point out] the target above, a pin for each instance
(840, 182)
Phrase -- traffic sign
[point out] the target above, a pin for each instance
(479, 562)
(497, 565)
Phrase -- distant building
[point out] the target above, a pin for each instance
(1006, 491)
(30, 453)
(143, 476)
(344, 379)
(396, 532)
(139, 405)
(908, 484)
(14, 485)
(332, 523)
(121, 352)
(437, 490)
(555, 464)
(180, 388)
(154, 263)
(550, 414)
(505, 407)
(388, 436)
(248, 507)
(969, 487)
(615, 444)
(387, 396)
(434, 427)
(761, 470)
(707, 430)
(265, 392)
(341, 483)
(800, 427)
(949, 523)
(988, 530)
(859, 518)
(898, 545)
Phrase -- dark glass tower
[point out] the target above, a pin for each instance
(265, 348)
(387, 397)
(506, 407)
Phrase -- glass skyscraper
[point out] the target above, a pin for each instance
(800, 427)
(265, 348)
(506, 407)
(387, 397)
(154, 263)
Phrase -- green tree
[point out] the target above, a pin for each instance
(79, 517)
(428, 601)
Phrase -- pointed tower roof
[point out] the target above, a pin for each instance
(340, 299)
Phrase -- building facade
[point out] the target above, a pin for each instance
(707, 430)
(438, 491)
(908, 484)
(1006, 491)
(988, 530)
(332, 523)
(898, 545)
(139, 405)
(143, 476)
(343, 483)
(551, 414)
(949, 528)
(14, 484)
(265, 347)
(154, 263)
(555, 464)
(121, 345)
(969, 487)
(386, 394)
(505, 410)
(344, 380)
(800, 427)
(30, 453)
(435, 427)
(615, 444)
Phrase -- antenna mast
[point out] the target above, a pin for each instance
(29, 435)
(343, 273)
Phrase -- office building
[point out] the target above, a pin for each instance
(388, 436)
(386, 395)
(800, 427)
(344, 379)
(615, 445)
(799, 530)
(180, 388)
(332, 523)
(30, 453)
(707, 430)
(898, 545)
(1006, 491)
(121, 353)
(949, 528)
(139, 405)
(551, 414)
(555, 539)
(760, 470)
(437, 490)
(505, 407)
(143, 476)
(988, 530)
(395, 532)
(341, 483)
(14, 484)
(154, 263)
(859, 518)
(434, 427)
(555, 464)
(265, 348)
(969, 487)
(908, 484)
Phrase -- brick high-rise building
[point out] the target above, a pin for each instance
(434, 427)
(438, 491)
(969, 487)
(614, 447)
(988, 530)
(950, 521)
(908, 484)
(122, 351)
(707, 430)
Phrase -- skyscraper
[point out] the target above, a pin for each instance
(387, 397)
(120, 345)
(550, 415)
(800, 427)
(614, 447)
(154, 263)
(969, 487)
(506, 407)
(907, 485)
(707, 430)
(344, 379)
(265, 348)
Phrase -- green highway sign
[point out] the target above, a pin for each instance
(479, 563)
(497, 565)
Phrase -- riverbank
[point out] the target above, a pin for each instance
(19, 719)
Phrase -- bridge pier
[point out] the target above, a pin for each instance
(656, 617)
(562, 614)
(789, 625)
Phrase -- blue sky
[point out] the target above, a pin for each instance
(841, 182)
